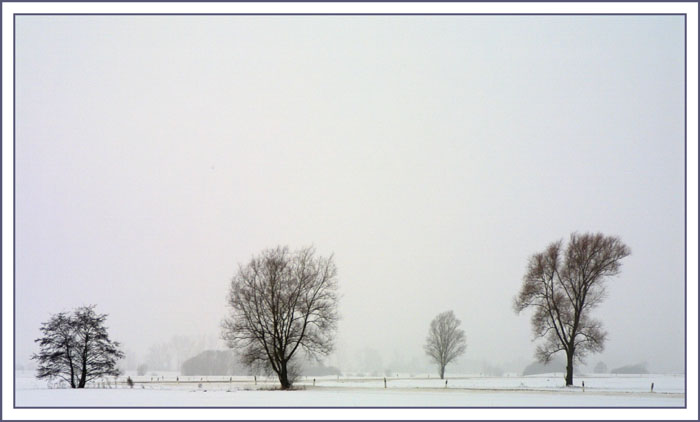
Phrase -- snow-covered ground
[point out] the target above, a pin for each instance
(461, 391)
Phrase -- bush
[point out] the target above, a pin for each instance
(142, 369)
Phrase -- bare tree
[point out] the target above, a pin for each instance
(563, 286)
(446, 341)
(76, 348)
(282, 302)
(57, 350)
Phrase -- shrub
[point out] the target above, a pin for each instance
(142, 369)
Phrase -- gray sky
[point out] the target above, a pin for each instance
(432, 155)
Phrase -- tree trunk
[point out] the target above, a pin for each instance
(72, 370)
(283, 377)
(83, 374)
(569, 368)
(442, 372)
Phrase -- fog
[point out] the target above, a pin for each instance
(432, 155)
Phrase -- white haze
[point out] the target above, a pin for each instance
(431, 154)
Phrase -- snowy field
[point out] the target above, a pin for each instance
(461, 391)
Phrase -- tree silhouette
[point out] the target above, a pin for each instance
(446, 341)
(76, 348)
(563, 286)
(282, 302)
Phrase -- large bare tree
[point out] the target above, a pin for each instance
(445, 341)
(76, 348)
(563, 285)
(282, 302)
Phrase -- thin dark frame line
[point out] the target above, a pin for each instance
(349, 14)
(1, 215)
(685, 202)
(14, 210)
(345, 407)
(14, 118)
(351, 1)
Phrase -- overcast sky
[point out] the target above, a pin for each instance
(433, 155)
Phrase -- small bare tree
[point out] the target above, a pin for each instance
(282, 302)
(76, 348)
(446, 341)
(563, 286)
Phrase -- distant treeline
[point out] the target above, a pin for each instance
(640, 368)
(226, 362)
(555, 365)
(559, 365)
(214, 362)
